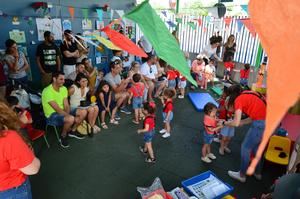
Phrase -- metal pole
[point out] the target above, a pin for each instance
(177, 6)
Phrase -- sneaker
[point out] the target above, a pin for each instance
(237, 176)
(117, 117)
(75, 134)
(206, 159)
(162, 131)
(180, 96)
(125, 110)
(150, 160)
(227, 150)
(211, 156)
(258, 176)
(216, 139)
(64, 142)
(141, 148)
(221, 151)
(166, 135)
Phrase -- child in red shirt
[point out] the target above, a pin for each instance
(210, 126)
(181, 85)
(229, 65)
(167, 101)
(171, 76)
(136, 92)
(244, 75)
(148, 130)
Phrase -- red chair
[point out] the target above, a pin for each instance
(35, 134)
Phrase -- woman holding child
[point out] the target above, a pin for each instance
(253, 105)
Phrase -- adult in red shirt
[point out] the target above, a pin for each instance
(254, 106)
(17, 160)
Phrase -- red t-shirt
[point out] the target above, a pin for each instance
(209, 122)
(168, 106)
(229, 65)
(244, 73)
(150, 120)
(14, 154)
(171, 75)
(251, 105)
(181, 77)
(222, 110)
(137, 89)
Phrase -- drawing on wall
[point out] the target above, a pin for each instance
(15, 21)
(87, 24)
(66, 25)
(52, 25)
(18, 36)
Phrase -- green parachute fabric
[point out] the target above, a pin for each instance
(163, 42)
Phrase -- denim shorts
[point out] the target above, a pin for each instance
(244, 82)
(172, 83)
(56, 119)
(227, 131)
(182, 84)
(137, 102)
(148, 136)
(170, 117)
(208, 138)
(227, 72)
(21, 192)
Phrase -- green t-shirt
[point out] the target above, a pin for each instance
(49, 94)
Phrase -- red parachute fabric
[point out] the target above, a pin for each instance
(123, 42)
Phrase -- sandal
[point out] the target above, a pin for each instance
(104, 126)
(145, 152)
(113, 121)
(150, 160)
(136, 122)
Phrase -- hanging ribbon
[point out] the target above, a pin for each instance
(239, 25)
(171, 24)
(227, 21)
(249, 26)
(178, 20)
(245, 8)
(72, 12)
(192, 25)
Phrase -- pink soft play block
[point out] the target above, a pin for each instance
(292, 124)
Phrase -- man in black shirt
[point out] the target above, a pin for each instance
(69, 52)
(48, 58)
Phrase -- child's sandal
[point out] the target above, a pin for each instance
(136, 122)
(150, 160)
(113, 121)
(145, 152)
(104, 126)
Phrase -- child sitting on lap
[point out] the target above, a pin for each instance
(210, 126)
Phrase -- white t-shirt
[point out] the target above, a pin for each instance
(76, 97)
(147, 71)
(208, 51)
(145, 44)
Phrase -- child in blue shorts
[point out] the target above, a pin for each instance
(211, 127)
(136, 92)
(148, 130)
(227, 132)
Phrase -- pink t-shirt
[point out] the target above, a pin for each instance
(197, 68)
(209, 122)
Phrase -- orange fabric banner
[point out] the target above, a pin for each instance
(227, 21)
(72, 12)
(249, 26)
(276, 23)
(123, 42)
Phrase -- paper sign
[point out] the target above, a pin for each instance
(99, 25)
(87, 24)
(67, 25)
(98, 60)
(18, 36)
(52, 25)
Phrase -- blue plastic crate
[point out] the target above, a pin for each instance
(201, 177)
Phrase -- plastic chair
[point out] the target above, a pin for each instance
(55, 129)
(278, 150)
(34, 134)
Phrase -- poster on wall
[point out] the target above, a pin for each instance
(87, 24)
(18, 36)
(99, 25)
(66, 25)
(52, 25)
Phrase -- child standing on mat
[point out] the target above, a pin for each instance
(136, 94)
(148, 130)
(228, 65)
(225, 113)
(167, 101)
(106, 103)
(211, 127)
(181, 85)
